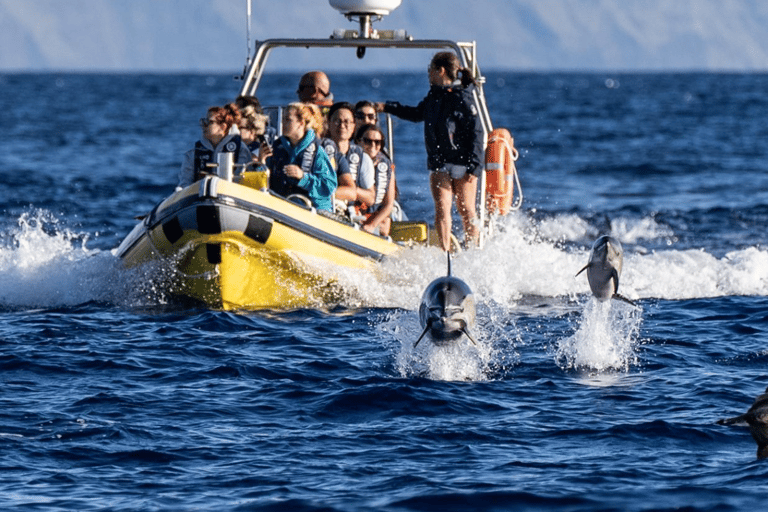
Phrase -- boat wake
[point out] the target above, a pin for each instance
(540, 258)
(43, 263)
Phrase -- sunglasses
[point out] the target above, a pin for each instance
(205, 122)
(314, 88)
(372, 142)
(363, 115)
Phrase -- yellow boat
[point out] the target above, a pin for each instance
(234, 246)
(230, 243)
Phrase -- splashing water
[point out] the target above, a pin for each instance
(45, 264)
(461, 360)
(605, 338)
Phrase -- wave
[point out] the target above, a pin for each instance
(540, 258)
(45, 264)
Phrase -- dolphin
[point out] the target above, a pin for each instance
(756, 418)
(604, 269)
(447, 310)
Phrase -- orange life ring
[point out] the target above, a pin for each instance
(500, 156)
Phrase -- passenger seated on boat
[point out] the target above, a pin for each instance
(315, 87)
(217, 138)
(252, 127)
(251, 111)
(355, 168)
(365, 113)
(317, 122)
(379, 220)
(298, 163)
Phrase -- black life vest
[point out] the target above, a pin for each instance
(204, 156)
(382, 170)
(281, 156)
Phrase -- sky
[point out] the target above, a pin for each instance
(526, 35)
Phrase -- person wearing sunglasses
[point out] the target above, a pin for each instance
(365, 113)
(218, 137)
(354, 168)
(378, 220)
(453, 136)
(315, 87)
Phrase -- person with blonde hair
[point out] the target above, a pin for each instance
(298, 163)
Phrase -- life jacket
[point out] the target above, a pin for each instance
(281, 157)
(204, 156)
(332, 150)
(383, 168)
(355, 159)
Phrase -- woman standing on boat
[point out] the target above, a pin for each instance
(216, 139)
(298, 163)
(454, 139)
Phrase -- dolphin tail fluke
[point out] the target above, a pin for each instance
(422, 336)
(469, 335)
(582, 270)
(622, 298)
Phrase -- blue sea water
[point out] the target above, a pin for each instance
(116, 397)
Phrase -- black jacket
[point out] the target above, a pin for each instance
(453, 133)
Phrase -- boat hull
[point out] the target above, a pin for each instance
(230, 246)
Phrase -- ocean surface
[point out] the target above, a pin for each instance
(114, 396)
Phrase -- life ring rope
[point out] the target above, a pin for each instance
(502, 178)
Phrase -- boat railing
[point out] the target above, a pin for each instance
(465, 51)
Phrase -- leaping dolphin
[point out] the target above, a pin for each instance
(447, 310)
(604, 269)
(757, 420)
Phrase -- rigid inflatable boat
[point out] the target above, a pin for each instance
(230, 243)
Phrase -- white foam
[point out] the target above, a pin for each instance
(43, 264)
(458, 361)
(541, 260)
(605, 338)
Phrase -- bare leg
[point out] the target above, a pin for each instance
(466, 193)
(442, 193)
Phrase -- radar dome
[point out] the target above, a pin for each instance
(380, 7)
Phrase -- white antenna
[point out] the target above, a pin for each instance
(248, 27)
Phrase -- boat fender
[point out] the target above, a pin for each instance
(500, 157)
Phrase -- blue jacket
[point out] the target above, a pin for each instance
(453, 133)
(319, 180)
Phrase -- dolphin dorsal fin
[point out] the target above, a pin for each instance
(449, 262)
